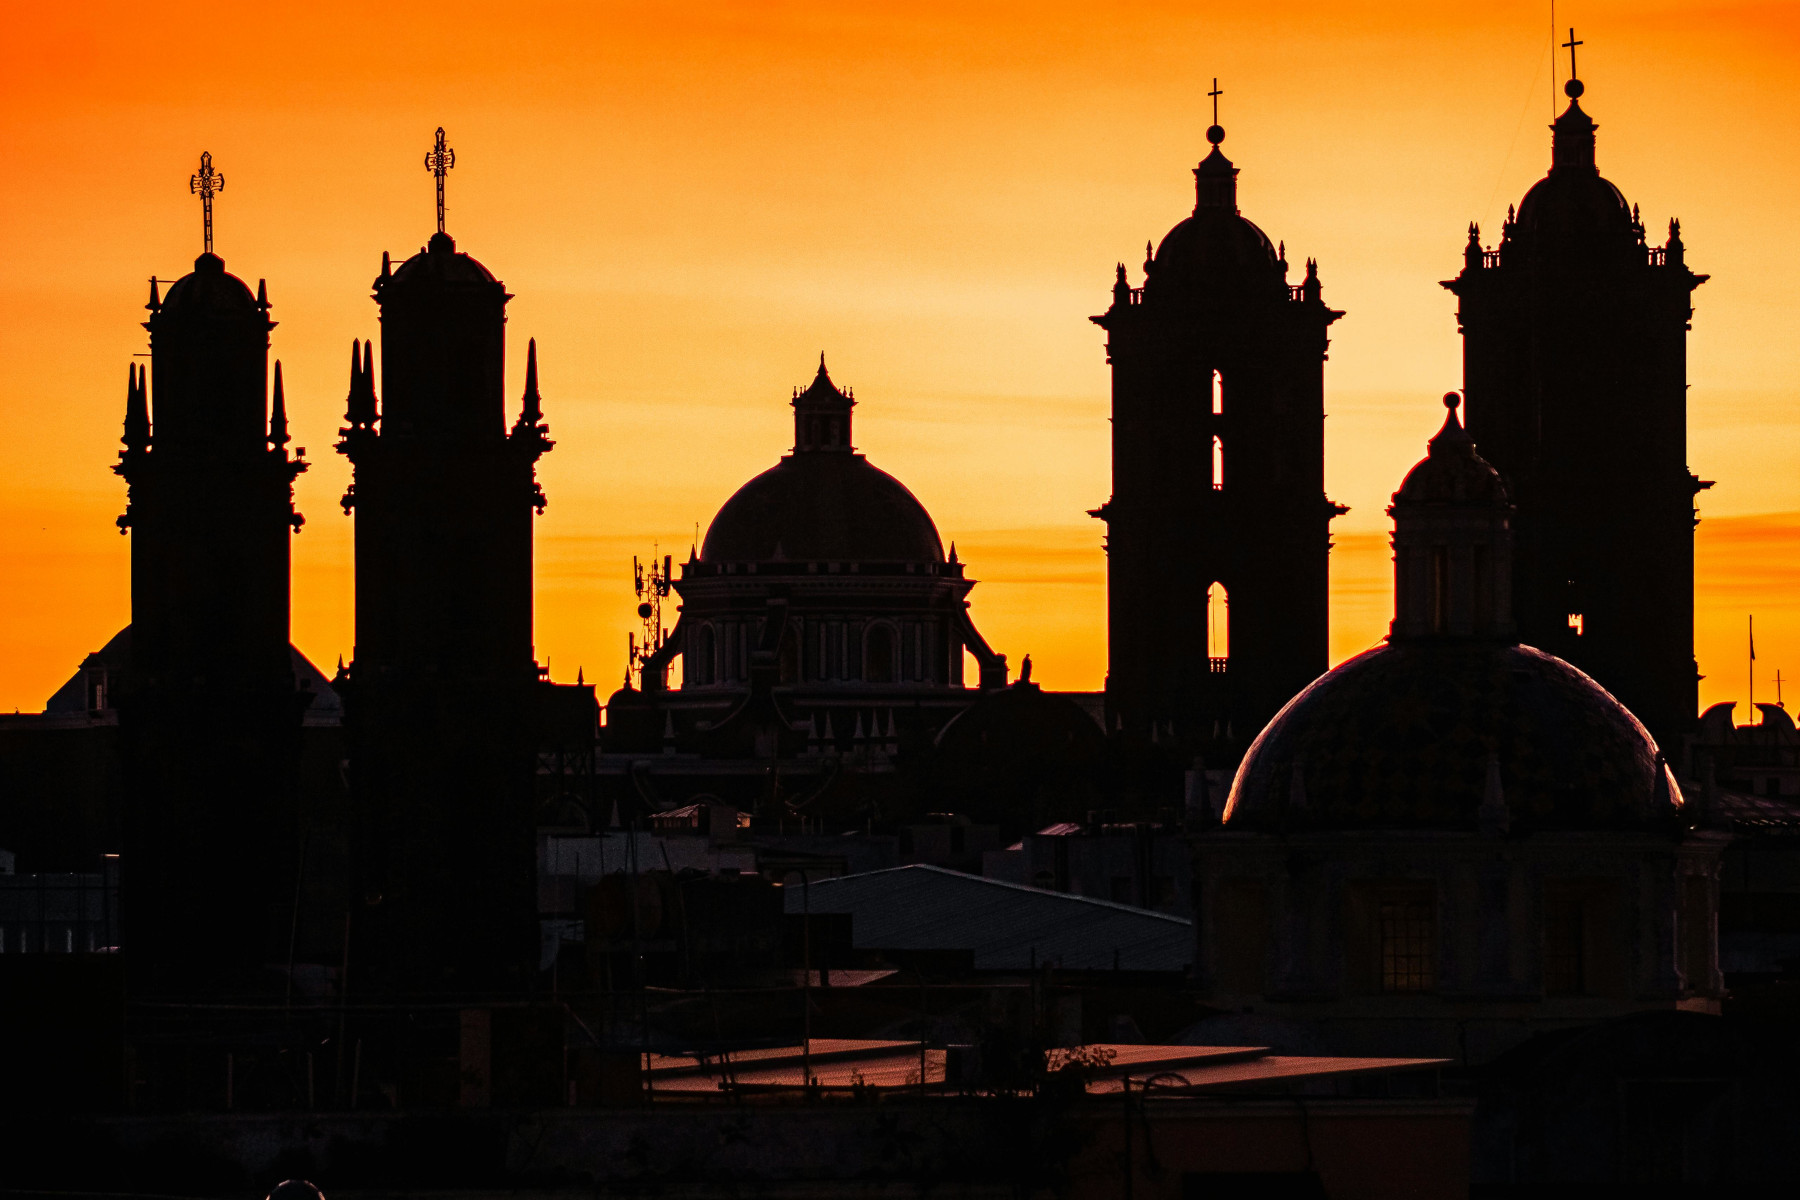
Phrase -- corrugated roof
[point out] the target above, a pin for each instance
(1007, 926)
(844, 1064)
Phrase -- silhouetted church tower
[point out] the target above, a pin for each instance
(440, 700)
(1575, 376)
(1218, 481)
(209, 711)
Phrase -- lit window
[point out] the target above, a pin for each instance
(1218, 623)
(1218, 395)
(1218, 463)
(1575, 623)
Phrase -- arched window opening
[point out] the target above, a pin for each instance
(878, 655)
(1217, 385)
(1218, 628)
(1218, 463)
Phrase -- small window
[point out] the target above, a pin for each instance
(1576, 623)
(1565, 945)
(1218, 395)
(788, 658)
(1218, 463)
(878, 655)
(1408, 943)
(1440, 589)
(701, 665)
(1484, 603)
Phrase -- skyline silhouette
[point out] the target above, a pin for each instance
(956, 299)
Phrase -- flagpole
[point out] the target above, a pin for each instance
(1752, 668)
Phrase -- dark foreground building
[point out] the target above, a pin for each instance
(1575, 367)
(209, 709)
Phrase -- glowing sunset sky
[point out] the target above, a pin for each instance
(691, 201)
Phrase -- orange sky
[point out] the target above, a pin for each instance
(691, 201)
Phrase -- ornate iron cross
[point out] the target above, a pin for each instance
(206, 184)
(439, 161)
(1215, 94)
(1570, 47)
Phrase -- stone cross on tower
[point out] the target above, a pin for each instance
(206, 184)
(1573, 88)
(438, 160)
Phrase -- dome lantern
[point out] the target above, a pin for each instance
(822, 415)
(1452, 542)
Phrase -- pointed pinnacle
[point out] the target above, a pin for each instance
(531, 408)
(278, 422)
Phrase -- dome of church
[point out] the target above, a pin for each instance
(440, 262)
(1574, 206)
(819, 507)
(209, 289)
(1216, 249)
(1420, 734)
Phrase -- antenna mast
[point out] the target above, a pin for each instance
(651, 584)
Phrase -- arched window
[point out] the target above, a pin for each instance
(702, 662)
(1218, 626)
(1218, 462)
(1218, 395)
(878, 654)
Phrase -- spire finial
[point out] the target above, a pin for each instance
(278, 423)
(206, 183)
(1573, 88)
(359, 407)
(1215, 133)
(137, 410)
(438, 160)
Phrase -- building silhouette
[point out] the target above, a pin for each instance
(1455, 840)
(208, 707)
(1575, 368)
(1218, 527)
(442, 698)
(822, 642)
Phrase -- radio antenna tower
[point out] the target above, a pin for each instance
(651, 583)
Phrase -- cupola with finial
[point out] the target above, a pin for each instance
(1452, 542)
